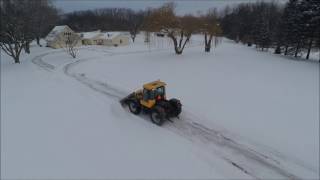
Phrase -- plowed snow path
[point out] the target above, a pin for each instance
(251, 162)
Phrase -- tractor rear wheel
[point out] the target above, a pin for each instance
(157, 115)
(134, 107)
(177, 106)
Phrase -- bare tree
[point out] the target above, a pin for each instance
(14, 27)
(71, 43)
(135, 21)
(178, 29)
(105, 19)
(18, 25)
(147, 37)
(210, 27)
(45, 17)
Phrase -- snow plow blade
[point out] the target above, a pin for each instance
(124, 100)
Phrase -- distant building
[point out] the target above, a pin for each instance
(92, 38)
(106, 39)
(115, 39)
(58, 36)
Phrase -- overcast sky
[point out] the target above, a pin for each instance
(183, 6)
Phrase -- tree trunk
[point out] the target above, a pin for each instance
(133, 36)
(147, 37)
(181, 39)
(178, 48)
(16, 59)
(297, 49)
(207, 43)
(38, 41)
(178, 51)
(207, 48)
(278, 50)
(286, 50)
(175, 44)
(309, 48)
(27, 47)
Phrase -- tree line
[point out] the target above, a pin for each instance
(163, 20)
(26, 20)
(106, 19)
(292, 29)
(180, 28)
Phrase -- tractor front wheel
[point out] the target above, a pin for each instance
(134, 107)
(177, 107)
(157, 116)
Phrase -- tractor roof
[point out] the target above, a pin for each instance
(153, 85)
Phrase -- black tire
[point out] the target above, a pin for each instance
(176, 104)
(157, 115)
(134, 107)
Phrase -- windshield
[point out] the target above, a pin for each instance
(159, 91)
(148, 95)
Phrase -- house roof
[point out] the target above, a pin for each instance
(55, 31)
(90, 35)
(59, 28)
(111, 35)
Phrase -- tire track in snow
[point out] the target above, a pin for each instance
(100, 87)
(39, 62)
(245, 159)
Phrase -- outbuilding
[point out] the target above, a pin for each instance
(59, 35)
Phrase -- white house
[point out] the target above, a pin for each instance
(115, 39)
(92, 38)
(59, 35)
(107, 39)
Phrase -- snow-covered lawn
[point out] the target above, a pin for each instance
(246, 114)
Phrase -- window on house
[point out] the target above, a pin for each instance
(67, 33)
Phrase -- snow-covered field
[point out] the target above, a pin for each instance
(246, 114)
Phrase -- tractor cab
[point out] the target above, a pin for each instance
(153, 92)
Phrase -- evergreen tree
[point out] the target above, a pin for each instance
(310, 16)
(288, 31)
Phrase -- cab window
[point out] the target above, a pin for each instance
(147, 95)
(159, 91)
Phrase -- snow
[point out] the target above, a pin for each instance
(60, 117)
(106, 35)
(90, 35)
(59, 28)
(111, 35)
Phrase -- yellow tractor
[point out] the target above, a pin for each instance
(152, 100)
